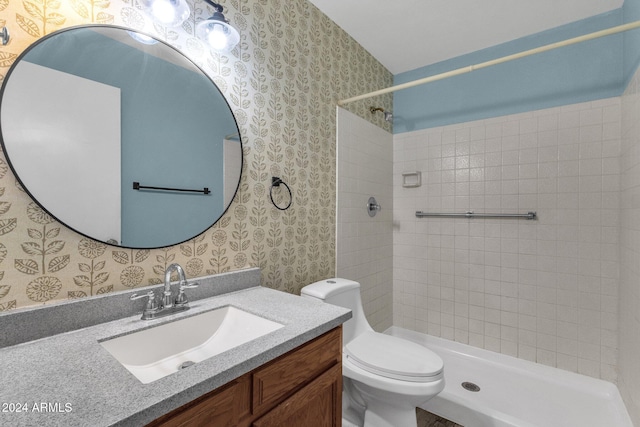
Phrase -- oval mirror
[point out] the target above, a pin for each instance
(120, 137)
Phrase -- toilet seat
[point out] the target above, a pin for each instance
(394, 357)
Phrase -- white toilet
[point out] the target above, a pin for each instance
(385, 377)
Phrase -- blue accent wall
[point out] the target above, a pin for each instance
(631, 12)
(586, 71)
(173, 126)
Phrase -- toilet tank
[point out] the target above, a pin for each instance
(344, 293)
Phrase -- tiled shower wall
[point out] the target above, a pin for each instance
(543, 290)
(364, 250)
(629, 363)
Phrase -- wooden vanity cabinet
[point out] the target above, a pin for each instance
(300, 388)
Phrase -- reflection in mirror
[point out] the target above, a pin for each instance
(88, 111)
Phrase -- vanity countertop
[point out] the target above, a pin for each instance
(69, 379)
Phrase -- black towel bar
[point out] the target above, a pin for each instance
(137, 186)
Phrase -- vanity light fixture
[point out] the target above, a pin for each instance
(216, 31)
(169, 13)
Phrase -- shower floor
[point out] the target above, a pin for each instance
(515, 392)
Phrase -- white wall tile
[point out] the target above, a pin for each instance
(532, 289)
(364, 245)
(626, 356)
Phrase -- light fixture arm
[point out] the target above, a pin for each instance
(218, 11)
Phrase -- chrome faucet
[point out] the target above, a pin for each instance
(168, 305)
(167, 300)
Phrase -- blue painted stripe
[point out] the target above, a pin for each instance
(586, 71)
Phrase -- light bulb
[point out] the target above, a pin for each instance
(217, 38)
(170, 13)
(219, 35)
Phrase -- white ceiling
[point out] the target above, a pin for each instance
(407, 34)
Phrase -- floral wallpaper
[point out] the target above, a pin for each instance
(282, 81)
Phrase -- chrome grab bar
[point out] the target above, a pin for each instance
(471, 214)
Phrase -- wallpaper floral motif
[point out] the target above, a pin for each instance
(283, 81)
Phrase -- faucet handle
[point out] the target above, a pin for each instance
(151, 302)
(181, 299)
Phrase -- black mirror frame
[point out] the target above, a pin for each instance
(196, 66)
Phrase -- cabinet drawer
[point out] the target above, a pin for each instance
(221, 408)
(293, 370)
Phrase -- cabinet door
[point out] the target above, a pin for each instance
(275, 381)
(318, 404)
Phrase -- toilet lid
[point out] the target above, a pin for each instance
(393, 357)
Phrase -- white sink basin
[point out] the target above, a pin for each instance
(156, 352)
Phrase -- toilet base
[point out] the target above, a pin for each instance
(347, 422)
(371, 419)
(352, 405)
(381, 415)
(386, 408)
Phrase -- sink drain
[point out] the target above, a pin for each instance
(186, 364)
(470, 386)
